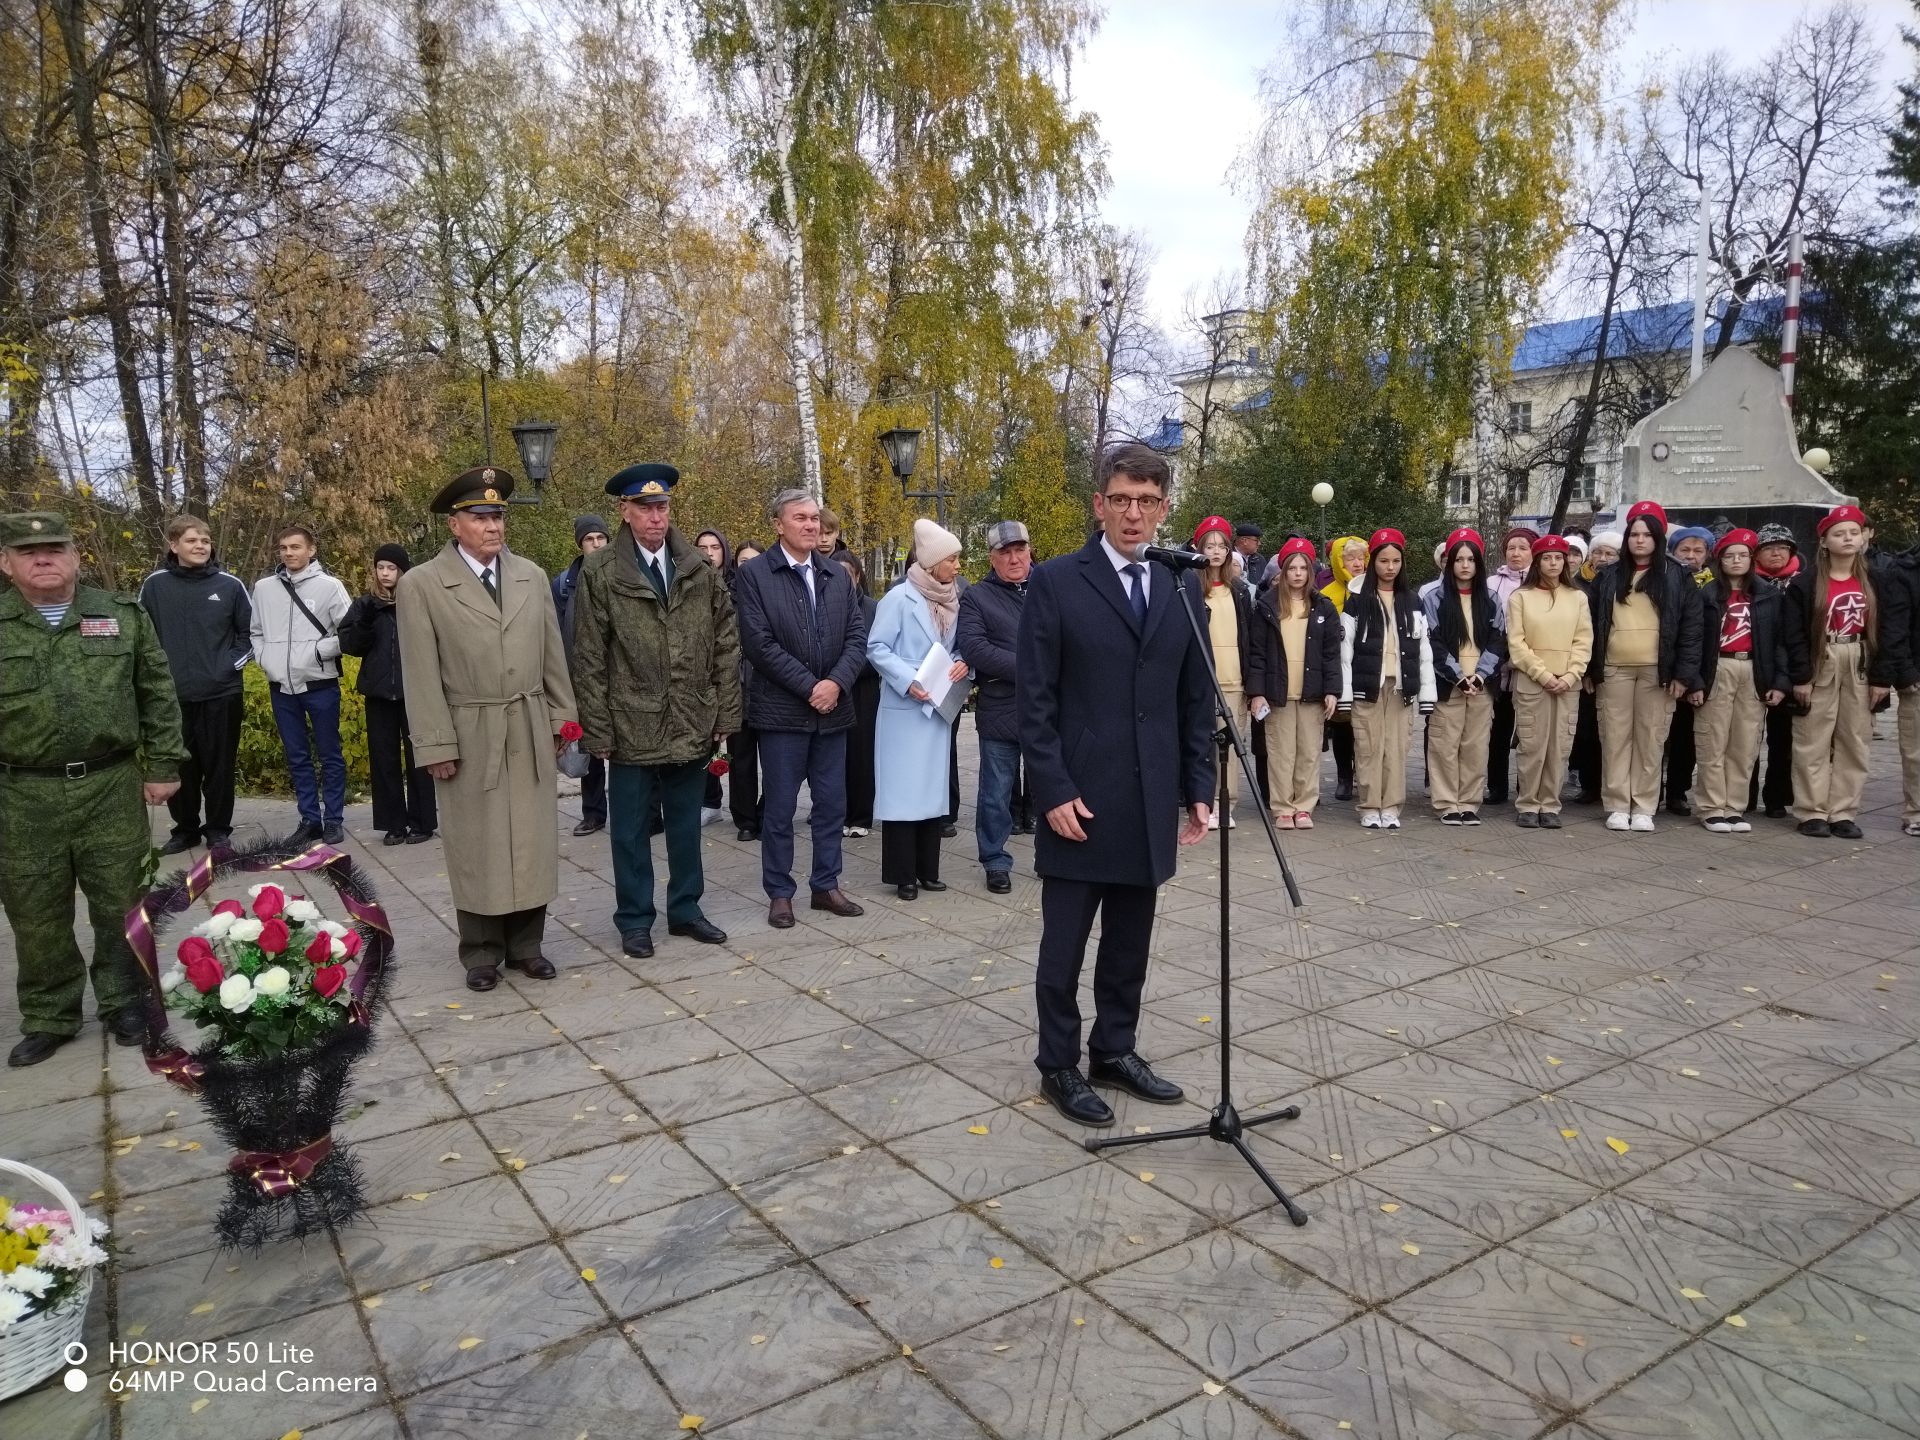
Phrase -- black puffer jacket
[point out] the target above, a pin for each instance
(1769, 635)
(1898, 588)
(986, 633)
(372, 632)
(1681, 633)
(1267, 657)
(1892, 616)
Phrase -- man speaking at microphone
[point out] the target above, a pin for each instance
(1116, 725)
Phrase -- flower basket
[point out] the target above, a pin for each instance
(276, 1105)
(34, 1346)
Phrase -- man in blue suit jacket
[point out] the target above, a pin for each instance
(1116, 726)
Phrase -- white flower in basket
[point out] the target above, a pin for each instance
(274, 980)
(236, 993)
(215, 927)
(47, 1260)
(243, 931)
(302, 912)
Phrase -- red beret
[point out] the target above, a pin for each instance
(1387, 536)
(1525, 533)
(1650, 508)
(1839, 515)
(1299, 545)
(1212, 525)
(1552, 545)
(1737, 537)
(1468, 534)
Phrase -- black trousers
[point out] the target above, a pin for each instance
(866, 720)
(953, 775)
(1499, 747)
(489, 940)
(1067, 910)
(1260, 763)
(211, 729)
(593, 792)
(910, 850)
(1680, 755)
(743, 778)
(1340, 741)
(1777, 789)
(403, 796)
(1584, 760)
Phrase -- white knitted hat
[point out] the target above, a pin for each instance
(932, 544)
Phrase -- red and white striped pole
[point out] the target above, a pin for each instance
(1790, 326)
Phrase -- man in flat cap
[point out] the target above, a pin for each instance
(988, 631)
(656, 657)
(590, 533)
(487, 692)
(89, 737)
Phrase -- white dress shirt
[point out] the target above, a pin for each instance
(482, 568)
(805, 568)
(1120, 563)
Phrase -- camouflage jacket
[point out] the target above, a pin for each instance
(94, 685)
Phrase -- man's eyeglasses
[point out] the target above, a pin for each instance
(1134, 504)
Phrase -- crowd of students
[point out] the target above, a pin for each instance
(1637, 660)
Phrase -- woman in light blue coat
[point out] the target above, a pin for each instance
(910, 746)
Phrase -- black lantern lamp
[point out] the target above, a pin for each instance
(903, 452)
(535, 441)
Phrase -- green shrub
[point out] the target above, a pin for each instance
(262, 768)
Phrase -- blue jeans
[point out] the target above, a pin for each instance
(319, 706)
(786, 758)
(993, 809)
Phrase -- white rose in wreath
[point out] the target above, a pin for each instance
(331, 927)
(272, 981)
(302, 912)
(236, 993)
(170, 981)
(245, 930)
(217, 926)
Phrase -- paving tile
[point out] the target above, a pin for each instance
(1487, 1191)
(409, 1239)
(677, 1252)
(1850, 1346)
(444, 1040)
(1343, 1129)
(1535, 1328)
(1641, 1255)
(167, 1224)
(580, 1192)
(511, 1310)
(772, 1021)
(752, 1144)
(1599, 1023)
(38, 1131)
(1829, 1154)
(1214, 1178)
(1207, 1417)
(902, 1102)
(889, 1402)
(691, 1093)
(1036, 1374)
(1683, 1106)
(1437, 1090)
(704, 1350)
(1726, 1058)
(1323, 1047)
(1407, 961)
(1577, 1141)
(924, 1282)
(1223, 1303)
(1096, 1218)
(1309, 987)
(562, 1124)
(1847, 1044)
(1751, 1204)
(512, 1079)
(1364, 1241)
(844, 1200)
(590, 1385)
(1706, 1393)
(836, 1057)
(1408, 1017)
(1885, 1261)
(667, 1046)
(938, 1031)
(207, 1297)
(411, 1160)
(1015, 1151)
(1391, 1382)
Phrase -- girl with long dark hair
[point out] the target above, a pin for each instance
(1229, 601)
(1293, 681)
(1745, 672)
(1386, 664)
(1549, 642)
(1646, 616)
(1468, 645)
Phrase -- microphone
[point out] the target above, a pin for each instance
(1172, 559)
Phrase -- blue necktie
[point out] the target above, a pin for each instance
(1137, 592)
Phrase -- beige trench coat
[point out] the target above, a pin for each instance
(488, 686)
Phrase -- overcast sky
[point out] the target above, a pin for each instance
(1189, 74)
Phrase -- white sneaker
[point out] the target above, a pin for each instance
(1718, 825)
(1369, 819)
(1213, 821)
(709, 814)
(1641, 824)
(1738, 824)
(1389, 819)
(1233, 823)
(1617, 821)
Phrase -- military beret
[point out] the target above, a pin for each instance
(35, 527)
(482, 490)
(644, 482)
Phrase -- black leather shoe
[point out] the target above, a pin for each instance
(1343, 790)
(129, 1026)
(394, 837)
(638, 944)
(949, 831)
(1846, 830)
(304, 834)
(538, 968)
(1776, 812)
(419, 837)
(1550, 820)
(1679, 807)
(907, 892)
(936, 886)
(746, 833)
(178, 844)
(35, 1048)
(835, 902)
(1133, 1075)
(219, 839)
(1527, 819)
(1817, 828)
(1469, 817)
(483, 977)
(1074, 1098)
(999, 881)
(334, 833)
(703, 930)
(589, 827)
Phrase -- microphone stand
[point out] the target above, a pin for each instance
(1226, 1124)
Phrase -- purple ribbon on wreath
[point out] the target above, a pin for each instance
(173, 1063)
(281, 1174)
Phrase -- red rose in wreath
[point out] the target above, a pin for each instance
(570, 731)
(269, 903)
(231, 907)
(352, 941)
(329, 978)
(274, 938)
(320, 952)
(204, 971)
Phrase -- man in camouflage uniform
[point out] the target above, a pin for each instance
(656, 670)
(89, 737)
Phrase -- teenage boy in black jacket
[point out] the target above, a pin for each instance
(987, 632)
(204, 619)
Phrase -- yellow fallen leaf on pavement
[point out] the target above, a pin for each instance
(1344, 1425)
(453, 1005)
(589, 1274)
(372, 1302)
(692, 1422)
(993, 1204)
(1078, 1321)
(1569, 1134)
(1411, 1248)
(616, 1179)
(450, 1155)
(1801, 1185)
(469, 1342)
(1389, 1207)
(1688, 1292)
(200, 1404)
(291, 1435)
(205, 1307)
(1206, 1019)
(1739, 1322)
(756, 1339)
(977, 1130)
(1147, 1175)
(849, 1149)
(1690, 1073)
(1212, 1387)
(906, 1349)
(996, 1263)
(1618, 1147)
(1579, 1340)
(417, 1194)
(1552, 1061)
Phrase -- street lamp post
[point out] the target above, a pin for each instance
(902, 447)
(1323, 496)
(535, 440)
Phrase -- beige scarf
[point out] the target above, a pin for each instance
(943, 600)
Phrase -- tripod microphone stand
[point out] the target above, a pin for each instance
(1226, 1124)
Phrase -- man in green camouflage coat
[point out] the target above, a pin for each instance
(89, 737)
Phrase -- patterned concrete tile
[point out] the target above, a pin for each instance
(752, 1144)
(1576, 1141)
(670, 1045)
(206, 1297)
(890, 1402)
(1683, 1106)
(1748, 1203)
(1363, 1241)
(1487, 1191)
(395, 1165)
(837, 1057)
(1037, 1374)
(1206, 1417)
(1526, 1057)
(513, 1079)
(902, 1102)
(1885, 1261)
(844, 1200)
(562, 1124)
(410, 1239)
(1723, 1056)
(595, 1187)
(1827, 1153)
(591, 1385)
(1439, 1091)
(676, 1253)
(1095, 1218)
(692, 1093)
(1323, 1047)
(1014, 1152)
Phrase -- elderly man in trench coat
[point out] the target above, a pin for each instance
(487, 692)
